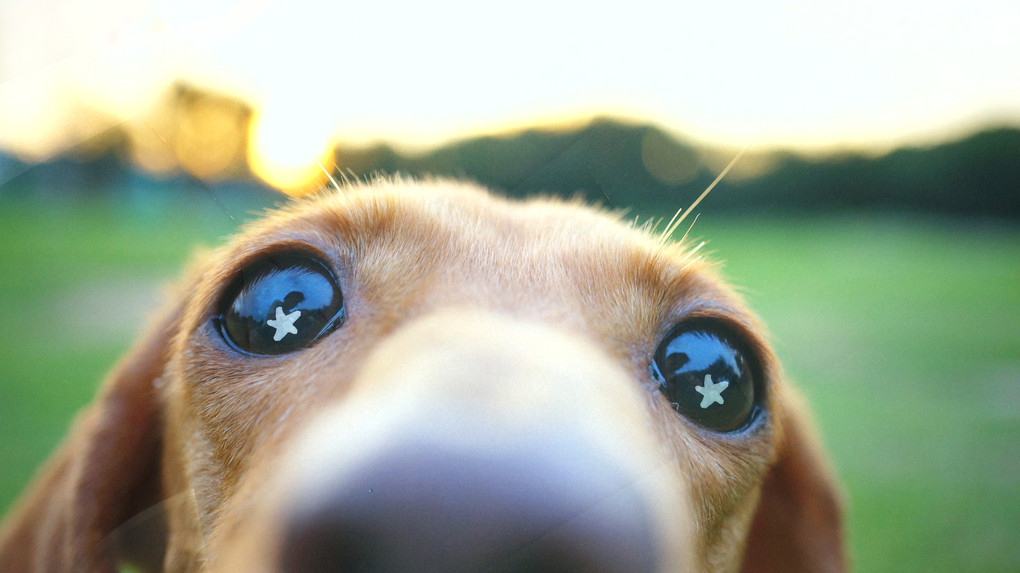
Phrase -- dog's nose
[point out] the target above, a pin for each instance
(418, 508)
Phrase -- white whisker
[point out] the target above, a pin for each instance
(336, 185)
(678, 218)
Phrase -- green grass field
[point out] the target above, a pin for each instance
(904, 333)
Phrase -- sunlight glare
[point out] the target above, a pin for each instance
(286, 148)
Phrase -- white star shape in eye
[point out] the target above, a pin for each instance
(284, 323)
(712, 392)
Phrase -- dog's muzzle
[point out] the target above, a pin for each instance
(475, 442)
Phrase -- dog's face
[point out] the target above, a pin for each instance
(420, 377)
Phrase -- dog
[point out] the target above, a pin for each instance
(418, 375)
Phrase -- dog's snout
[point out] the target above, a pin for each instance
(486, 449)
(420, 508)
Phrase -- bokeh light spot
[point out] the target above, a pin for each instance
(668, 160)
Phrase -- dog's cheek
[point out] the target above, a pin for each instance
(724, 475)
(221, 408)
(232, 408)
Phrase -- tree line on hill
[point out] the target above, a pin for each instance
(617, 164)
(611, 162)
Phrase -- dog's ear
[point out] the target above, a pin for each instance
(798, 525)
(106, 470)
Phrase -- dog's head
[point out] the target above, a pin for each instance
(421, 377)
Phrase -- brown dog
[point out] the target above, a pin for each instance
(411, 376)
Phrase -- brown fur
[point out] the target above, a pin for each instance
(205, 438)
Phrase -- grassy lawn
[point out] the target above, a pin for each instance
(904, 334)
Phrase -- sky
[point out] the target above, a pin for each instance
(801, 74)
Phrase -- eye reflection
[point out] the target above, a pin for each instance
(281, 304)
(705, 374)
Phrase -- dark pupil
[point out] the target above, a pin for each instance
(706, 378)
(282, 305)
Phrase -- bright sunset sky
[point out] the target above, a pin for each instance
(799, 73)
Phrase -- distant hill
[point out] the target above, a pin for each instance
(622, 164)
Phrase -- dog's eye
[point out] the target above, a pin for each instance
(281, 304)
(704, 372)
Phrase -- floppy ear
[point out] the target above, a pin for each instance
(106, 471)
(798, 524)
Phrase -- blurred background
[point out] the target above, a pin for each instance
(874, 221)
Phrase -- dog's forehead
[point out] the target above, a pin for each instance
(441, 210)
(461, 222)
